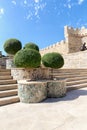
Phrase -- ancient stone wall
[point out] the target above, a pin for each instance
(74, 38)
(75, 60)
(61, 47)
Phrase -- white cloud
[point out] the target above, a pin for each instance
(69, 0)
(36, 1)
(33, 9)
(38, 7)
(80, 2)
(25, 2)
(69, 6)
(1, 11)
(13, 2)
(29, 16)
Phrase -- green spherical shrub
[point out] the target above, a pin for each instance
(53, 60)
(11, 46)
(27, 58)
(31, 45)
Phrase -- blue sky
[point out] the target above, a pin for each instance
(40, 21)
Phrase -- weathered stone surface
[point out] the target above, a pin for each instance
(36, 91)
(56, 88)
(9, 63)
(3, 62)
(35, 73)
(32, 92)
(75, 60)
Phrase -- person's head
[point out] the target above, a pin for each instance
(84, 43)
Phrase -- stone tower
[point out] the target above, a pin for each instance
(74, 38)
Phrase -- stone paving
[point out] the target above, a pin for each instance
(67, 113)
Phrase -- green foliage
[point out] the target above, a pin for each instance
(53, 60)
(31, 45)
(28, 58)
(11, 46)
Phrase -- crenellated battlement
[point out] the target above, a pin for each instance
(81, 32)
(55, 48)
(54, 45)
(74, 38)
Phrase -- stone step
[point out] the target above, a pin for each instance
(8, 93)
(76, 82)
(9, 100)
(5, 73)
(8, 87)
(5, 77)
(76, 78)
(68, 70)
(5, 70)
(68, 76)
(3, 82)
(76, 73)
(65, 74)
(74, 87)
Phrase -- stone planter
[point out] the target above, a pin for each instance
(33, 74)
(56, 88)
(9, 63)
(32, 92)
(37, 91)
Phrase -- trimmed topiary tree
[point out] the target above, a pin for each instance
(53, 60)
(11, 46)
(31, 45)
(27, 58)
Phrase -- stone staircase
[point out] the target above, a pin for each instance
(75, 78)
(8, 88)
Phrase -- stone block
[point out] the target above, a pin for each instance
(56, 88)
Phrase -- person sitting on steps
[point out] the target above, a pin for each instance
(83, 47)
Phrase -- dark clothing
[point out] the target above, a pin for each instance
(83, 47)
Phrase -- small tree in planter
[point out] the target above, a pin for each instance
(11, 47)
(53, 60)
(33, 92)
(27, 58)
(28, 63)
(55, 88)
(31, 45)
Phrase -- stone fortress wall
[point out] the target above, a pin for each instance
(77, 60)
(74, 38)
